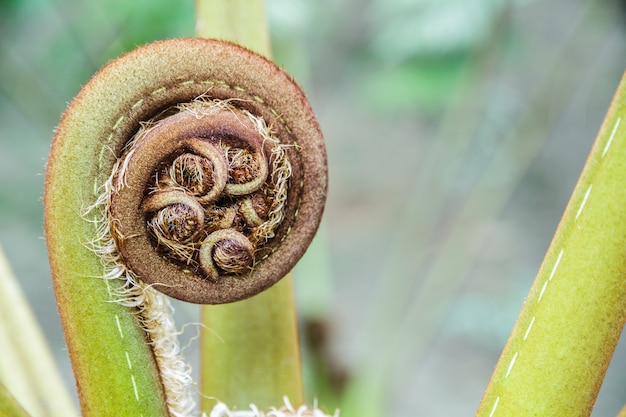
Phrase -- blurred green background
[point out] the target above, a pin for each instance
(456, 131)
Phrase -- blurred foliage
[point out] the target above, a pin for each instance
(425, 27)
(427, 83)
(425, 48)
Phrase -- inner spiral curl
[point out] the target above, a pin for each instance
(192, 172)
(215, 195)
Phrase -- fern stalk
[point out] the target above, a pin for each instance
(557, 354)
(251, 354)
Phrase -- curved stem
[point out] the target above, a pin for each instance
(558, 352)
(113, 365)
(251, 354)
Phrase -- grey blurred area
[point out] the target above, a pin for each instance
(456, 131)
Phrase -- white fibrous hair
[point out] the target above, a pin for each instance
(287, 410)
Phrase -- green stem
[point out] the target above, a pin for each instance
(561, 345)
(251, 353)
(113, 365)
(239, 21)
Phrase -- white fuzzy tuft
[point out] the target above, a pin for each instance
(287, 410)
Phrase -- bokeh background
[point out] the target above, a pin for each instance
(456, 131)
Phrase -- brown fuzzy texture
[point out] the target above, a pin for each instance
(166, 73)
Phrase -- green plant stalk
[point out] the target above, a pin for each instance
(239, 21)
(113, 364)
(251, 353)
(557, 354)
(27, 364)
(9, 407)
